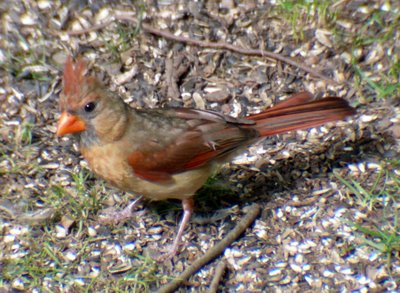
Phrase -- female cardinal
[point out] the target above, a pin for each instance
(170, 153)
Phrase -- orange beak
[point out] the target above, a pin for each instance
(69, 124)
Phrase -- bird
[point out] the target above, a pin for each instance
(169, 153)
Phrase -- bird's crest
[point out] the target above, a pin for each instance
(74, 76)
(75, 82)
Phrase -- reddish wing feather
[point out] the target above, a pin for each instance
(201, 159)
(154, 176)
(188, 152)
(207, 137)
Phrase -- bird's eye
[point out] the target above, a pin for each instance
(89, 107)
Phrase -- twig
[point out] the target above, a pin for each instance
(175, 67)
(219, 272)
(172, 84)
(221, 45)
(233, 48)
(204, 44)
(96, 27)
(213, 252)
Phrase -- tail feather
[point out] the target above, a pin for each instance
(294, 100)
(299, 112)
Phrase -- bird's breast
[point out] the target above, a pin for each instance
(111, 164)
(108, 162)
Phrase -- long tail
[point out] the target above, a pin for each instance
(299, 112)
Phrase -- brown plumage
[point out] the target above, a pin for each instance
(169, 153)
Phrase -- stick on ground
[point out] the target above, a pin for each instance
(219, 272)
(203, 44)
(215, 251)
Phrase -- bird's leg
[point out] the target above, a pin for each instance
(113, 216)
(188, 205)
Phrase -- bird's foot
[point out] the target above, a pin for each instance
(117, 217)
(167, 253)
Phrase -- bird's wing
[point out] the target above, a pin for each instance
(205, 135)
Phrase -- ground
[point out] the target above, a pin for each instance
(329, 196)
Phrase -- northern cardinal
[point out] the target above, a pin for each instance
(169, 153)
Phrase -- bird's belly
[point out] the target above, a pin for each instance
(183, 185)
(107, 163)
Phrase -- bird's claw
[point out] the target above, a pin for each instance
(115, 217)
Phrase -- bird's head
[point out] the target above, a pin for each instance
(85, 105)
